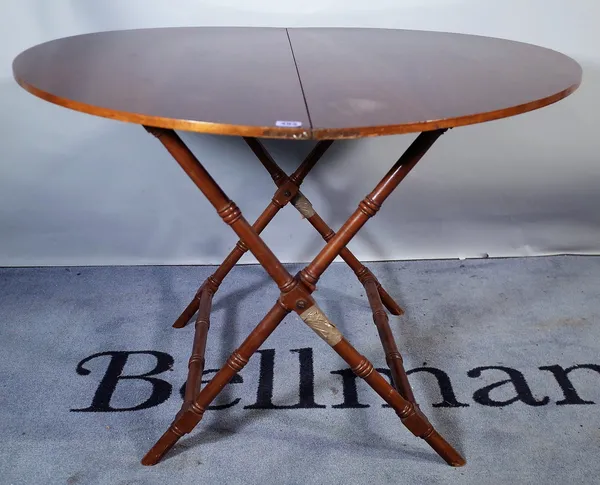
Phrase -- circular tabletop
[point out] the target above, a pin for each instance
(302, 83)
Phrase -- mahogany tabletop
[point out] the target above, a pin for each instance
(302, 83)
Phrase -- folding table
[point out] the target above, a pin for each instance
(321, 84)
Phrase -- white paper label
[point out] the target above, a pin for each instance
(288, 124)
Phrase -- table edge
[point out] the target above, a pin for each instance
(472, 119)
(295, 133)
(169, 123)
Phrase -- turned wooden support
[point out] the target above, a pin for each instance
(305, 208)
(288, 190)
(275, 171)
(225, 207)
(410, 414)
(196, 362)
(214, 281)
(369, 206)
(303, 205)
(392, 355)
(285, 193)
(187, 420)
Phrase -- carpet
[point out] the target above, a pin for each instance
(504, 358)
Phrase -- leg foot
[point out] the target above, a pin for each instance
(445, 450)
(410, 414)
(164, 444)
(389, 302)
(189, 311)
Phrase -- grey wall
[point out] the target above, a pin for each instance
(75, 189)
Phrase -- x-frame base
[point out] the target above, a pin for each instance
(288, 192)
(296, 292)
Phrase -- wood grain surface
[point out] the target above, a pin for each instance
(361, 82)
(330, 83)
(235, 81)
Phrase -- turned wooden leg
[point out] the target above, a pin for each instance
(196, 362)
(410, 415)
(213, 282)
(303, 205)
(187, 421)
(392, 355)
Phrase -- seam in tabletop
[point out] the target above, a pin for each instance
(300, 81)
